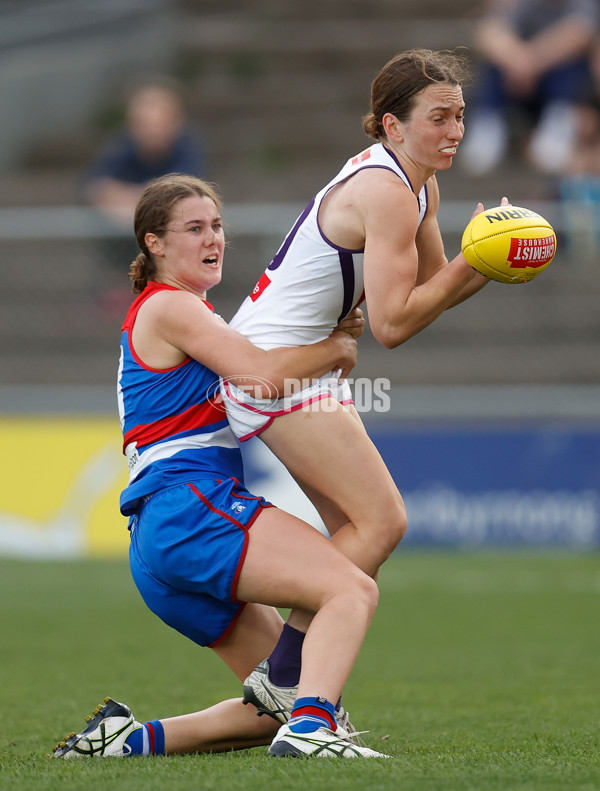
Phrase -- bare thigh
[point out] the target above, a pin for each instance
(290, 564)
(334, 460)
(285, 565)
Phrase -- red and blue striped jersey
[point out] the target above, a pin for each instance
(174, 423)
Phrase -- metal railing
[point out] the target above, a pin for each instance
(251, 219)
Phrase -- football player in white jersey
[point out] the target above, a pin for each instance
(372, 231)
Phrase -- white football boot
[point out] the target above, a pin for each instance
(268, 698)
(109, 725)
(322, 743)
(278, 702)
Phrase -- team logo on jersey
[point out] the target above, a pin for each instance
(364, 155)
(260, 287)
(133, 457)
(237, 507)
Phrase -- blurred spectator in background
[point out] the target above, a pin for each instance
(535, 66)
(579, 187)
(579, 179)
(156, 139)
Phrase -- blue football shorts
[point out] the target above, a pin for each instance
(188, 544)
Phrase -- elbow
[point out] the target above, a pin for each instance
(390, 342)
(390, 336)
(258, 387)
(276, 383)
(273, 383)
(269, 388)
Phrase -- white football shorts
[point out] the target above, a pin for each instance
(249, 416)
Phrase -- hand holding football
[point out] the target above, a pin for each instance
(509, 244)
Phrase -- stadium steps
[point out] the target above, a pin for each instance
(279, 91)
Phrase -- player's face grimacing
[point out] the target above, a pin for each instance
(431, 135)
(193, 245)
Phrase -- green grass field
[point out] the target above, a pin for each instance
(480, 671)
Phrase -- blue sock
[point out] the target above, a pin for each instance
(309, 714)
(148, 739)
(286, 660)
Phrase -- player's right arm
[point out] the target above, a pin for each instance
(406, 286)
(174, 325)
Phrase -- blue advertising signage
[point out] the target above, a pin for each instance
(470, 484)
(474, 485)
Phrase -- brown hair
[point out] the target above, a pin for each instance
(403, 77)
(153, 214)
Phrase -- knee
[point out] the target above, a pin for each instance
(371, 593)
(392, 527)
(400, 522)
(353, 592)
(366, 592)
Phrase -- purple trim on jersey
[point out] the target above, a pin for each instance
(282, 252)
(393, 156)
(347, 267)
(325, 238)
(412, 189)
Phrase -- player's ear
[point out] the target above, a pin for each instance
(392, 127)
(154, 244)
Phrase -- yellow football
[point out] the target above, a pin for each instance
(509, 244)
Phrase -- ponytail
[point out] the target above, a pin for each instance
(373, 127)
(140, 272)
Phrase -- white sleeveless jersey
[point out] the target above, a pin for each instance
(311, 284)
